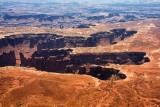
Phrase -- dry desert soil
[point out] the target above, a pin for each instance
(28, 87)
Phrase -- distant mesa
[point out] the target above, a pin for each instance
(84, 25)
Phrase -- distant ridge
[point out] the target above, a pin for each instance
(88, 1)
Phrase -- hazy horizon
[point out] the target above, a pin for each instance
(90, 1)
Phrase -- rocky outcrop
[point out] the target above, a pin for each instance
(57, 64)
(31, 39)
(52, 57)
(105, 73)
(54, 41)
(24, 61)
(7, 59)
(84, 26)
(51, 44)
(47, 41)
(131, 58)
(78, 41)
(52, 52)
(48, 60)
(97, 71)
(112, 37)
(130, 17)
(63, 61)
(110, 15)
(39, 17)
(12, 40)
(96, 17)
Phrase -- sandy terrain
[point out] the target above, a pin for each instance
(29, 87)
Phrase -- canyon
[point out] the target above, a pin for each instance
(106, 66)
(52, 41)
(62, 61)
(54, 53)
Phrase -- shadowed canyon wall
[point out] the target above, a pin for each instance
(52, 53)
(8, 59)
(63, 61)
(54, 41)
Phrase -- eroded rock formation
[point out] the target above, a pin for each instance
(112, 37)
(63, 61)
(105, 73)
(48, 60)
(50, 53)
(130, 58)
(54, 41)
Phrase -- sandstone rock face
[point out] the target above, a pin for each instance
(54, 41)
(105, 73)
(49, 52)
(24, 61)
(32, 39)
(48, 60)
(50, 55)
(63, 61)
(7, 59)
(72, 42)
(131, 58)
(112, 37)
